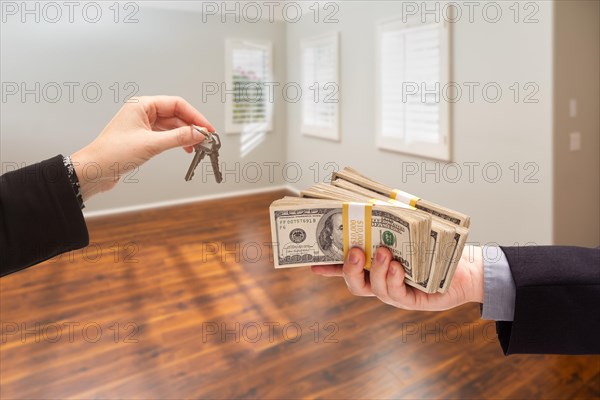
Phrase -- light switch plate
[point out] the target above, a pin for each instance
(573, 108)
(575, 141)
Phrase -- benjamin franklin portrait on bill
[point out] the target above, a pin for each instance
(330, 235)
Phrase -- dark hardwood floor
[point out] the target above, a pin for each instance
(184, 302)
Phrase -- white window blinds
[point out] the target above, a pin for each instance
(320, 86)
(249, 67)
(412, 70)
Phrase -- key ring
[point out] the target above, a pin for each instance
(213, 137)
(203, 131)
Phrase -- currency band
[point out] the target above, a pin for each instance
(391, 202)
(378, 202)
(404, 197)
(356, 219)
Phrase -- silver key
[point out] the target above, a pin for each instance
(209, 146)
(214, 159)
(200, 153)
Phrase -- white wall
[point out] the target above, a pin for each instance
(172, 52)
(483, 132)
(166, 52)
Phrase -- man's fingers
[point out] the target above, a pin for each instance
(354, 273)
(402, 295)
(396, 288)
(327, 270)
(174, 106)
(379, 270)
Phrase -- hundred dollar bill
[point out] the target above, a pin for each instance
(312, 232)
(442, 242)
(327, 220)
(353, 176)
(460, 238)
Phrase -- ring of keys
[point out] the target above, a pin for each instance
(208, 147)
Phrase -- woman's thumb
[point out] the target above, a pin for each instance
(178, 137)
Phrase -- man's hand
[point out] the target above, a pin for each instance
(386, 280)
(143, 128)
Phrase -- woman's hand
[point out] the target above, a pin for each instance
(386, 280)
(143, 128)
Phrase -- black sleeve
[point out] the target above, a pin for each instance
(556, 304)
(40, 216)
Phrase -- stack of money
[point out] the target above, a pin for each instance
(354, 211)
(350, 175)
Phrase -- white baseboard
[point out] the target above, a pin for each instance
(292, 189)
(168, 203)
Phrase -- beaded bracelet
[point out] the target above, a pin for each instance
(73, 179)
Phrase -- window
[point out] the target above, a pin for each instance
(412, 83)
(248, 66)
(320, 86)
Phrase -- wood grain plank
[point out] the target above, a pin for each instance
(176, 274)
